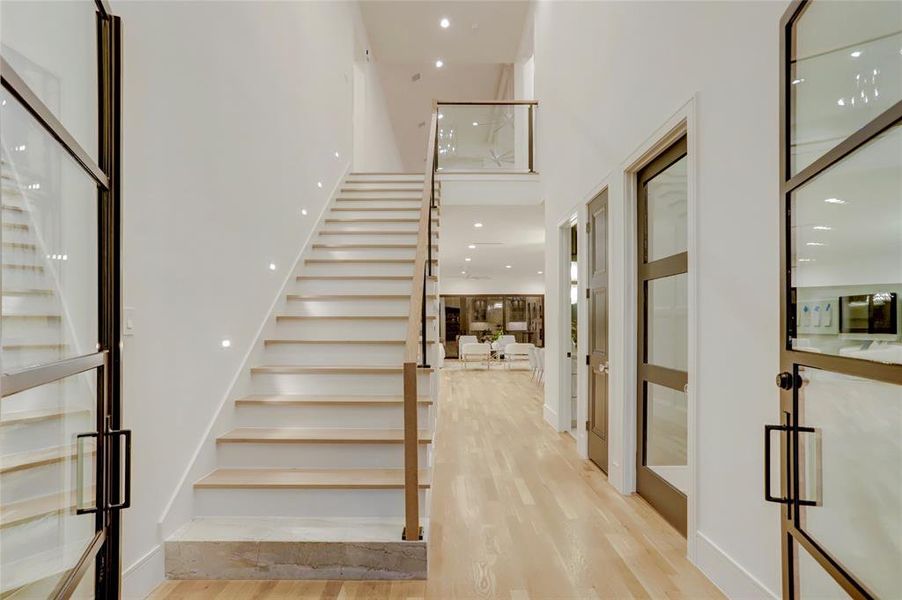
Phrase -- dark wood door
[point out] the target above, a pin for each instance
(598, 330)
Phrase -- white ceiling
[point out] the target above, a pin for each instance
(480, 32)
(514, 237)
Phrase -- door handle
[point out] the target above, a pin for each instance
(601, 369)
(767, 458)
(80, 508)
(127, 493)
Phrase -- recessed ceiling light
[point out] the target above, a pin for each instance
(855, 54)
(472, 246)
(445, 23)
(467, 259)
(841, 102)
(441, 116)
(815, 244)
(272, 266)
(539, 272)
(475, 123)
(337, 155)
(439, 64)
(477, 225)
(822, 228)
(463, 272)
(319, 184)
(806, 260)
(507, 266)
(304, 211)
(226, 343)
(834, 201)
(798, 81)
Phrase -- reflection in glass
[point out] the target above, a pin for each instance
(483, 138)
(668, 322)
(49, 253)
(852, 466)
(846, 252)
(812, 581)
(842, 76)
(41, 481)
(667, 197)
(53, 47)
(665, 434)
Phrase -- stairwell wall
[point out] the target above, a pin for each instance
(232, 114)
(609, 75)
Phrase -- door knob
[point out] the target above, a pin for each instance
(785, 381)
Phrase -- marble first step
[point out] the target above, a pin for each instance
(293, 548)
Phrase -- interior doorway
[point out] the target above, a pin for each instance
(662, 471)
(597, 358)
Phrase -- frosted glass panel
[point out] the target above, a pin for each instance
(668, 323)
(846, 70)
(49, 251)
(667, 194)
(854, 471)
(52, 45)
(846, 252)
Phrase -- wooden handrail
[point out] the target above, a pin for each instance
(487, 102)
(412, 339)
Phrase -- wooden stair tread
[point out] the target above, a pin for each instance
(32, 316)
(365, 246)
(320, 435)
(23, 511)
(331, 370)
(310, 479)
(372, 232)
(23, 267)
(27, 292)
(35, 458)
(388, 261)
(299, 400)
(390, 199)
(363, 277)
(353, 296)
(376, 209)
(32, 416)
(374, 220)
(346, 317)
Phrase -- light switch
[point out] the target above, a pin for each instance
(128, 321)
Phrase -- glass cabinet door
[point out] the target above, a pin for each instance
(840, 428)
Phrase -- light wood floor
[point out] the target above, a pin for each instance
(515, 514)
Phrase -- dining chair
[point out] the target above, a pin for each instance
(516, 351)
(475, 352)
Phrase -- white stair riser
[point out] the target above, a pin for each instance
(22, 256)
(30, 304)
(385, 225)
(412, 203)
(390, 416)
(389, 238)
(24, 278)
(30, 330)
(376, 193)
(67, 392)
(43, 480)
(380, 177)
(407, 253)
(301, 503)
(394, 184)
(362, 307)
(43, 535)
(357, 286)
(337, 354)
(314, 456)
(43, 434)
(11, 234)
(334, 384)
(15, 216)
(340, 268)
(361, 212)
(330, 329)
(15, 359)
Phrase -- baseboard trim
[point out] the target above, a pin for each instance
(550, 416)
(728, 575)
(144, 575)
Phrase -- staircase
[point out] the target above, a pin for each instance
(40, 536)
(310, 483)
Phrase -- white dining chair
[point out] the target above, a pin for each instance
(476, 353)
(541, 356)
(533, 361)
(516, 351)
(467, 339)
(503, 342)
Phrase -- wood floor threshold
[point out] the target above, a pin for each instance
(348, 479)
(331, 370)
(299, 400)
(304, 435)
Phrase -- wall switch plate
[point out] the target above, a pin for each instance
(128, 321)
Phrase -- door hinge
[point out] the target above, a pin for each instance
(587, 360)
(588, 226)
(587, 426)
(588, 294)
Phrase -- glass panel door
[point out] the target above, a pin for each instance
(662, 474)
(59, 352)
(841, 344)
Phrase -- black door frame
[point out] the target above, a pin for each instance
(111, 498)
(791, 361)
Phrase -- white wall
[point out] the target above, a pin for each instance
(375, 145)
(608, 75)
(450, 284)
(232, 113)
